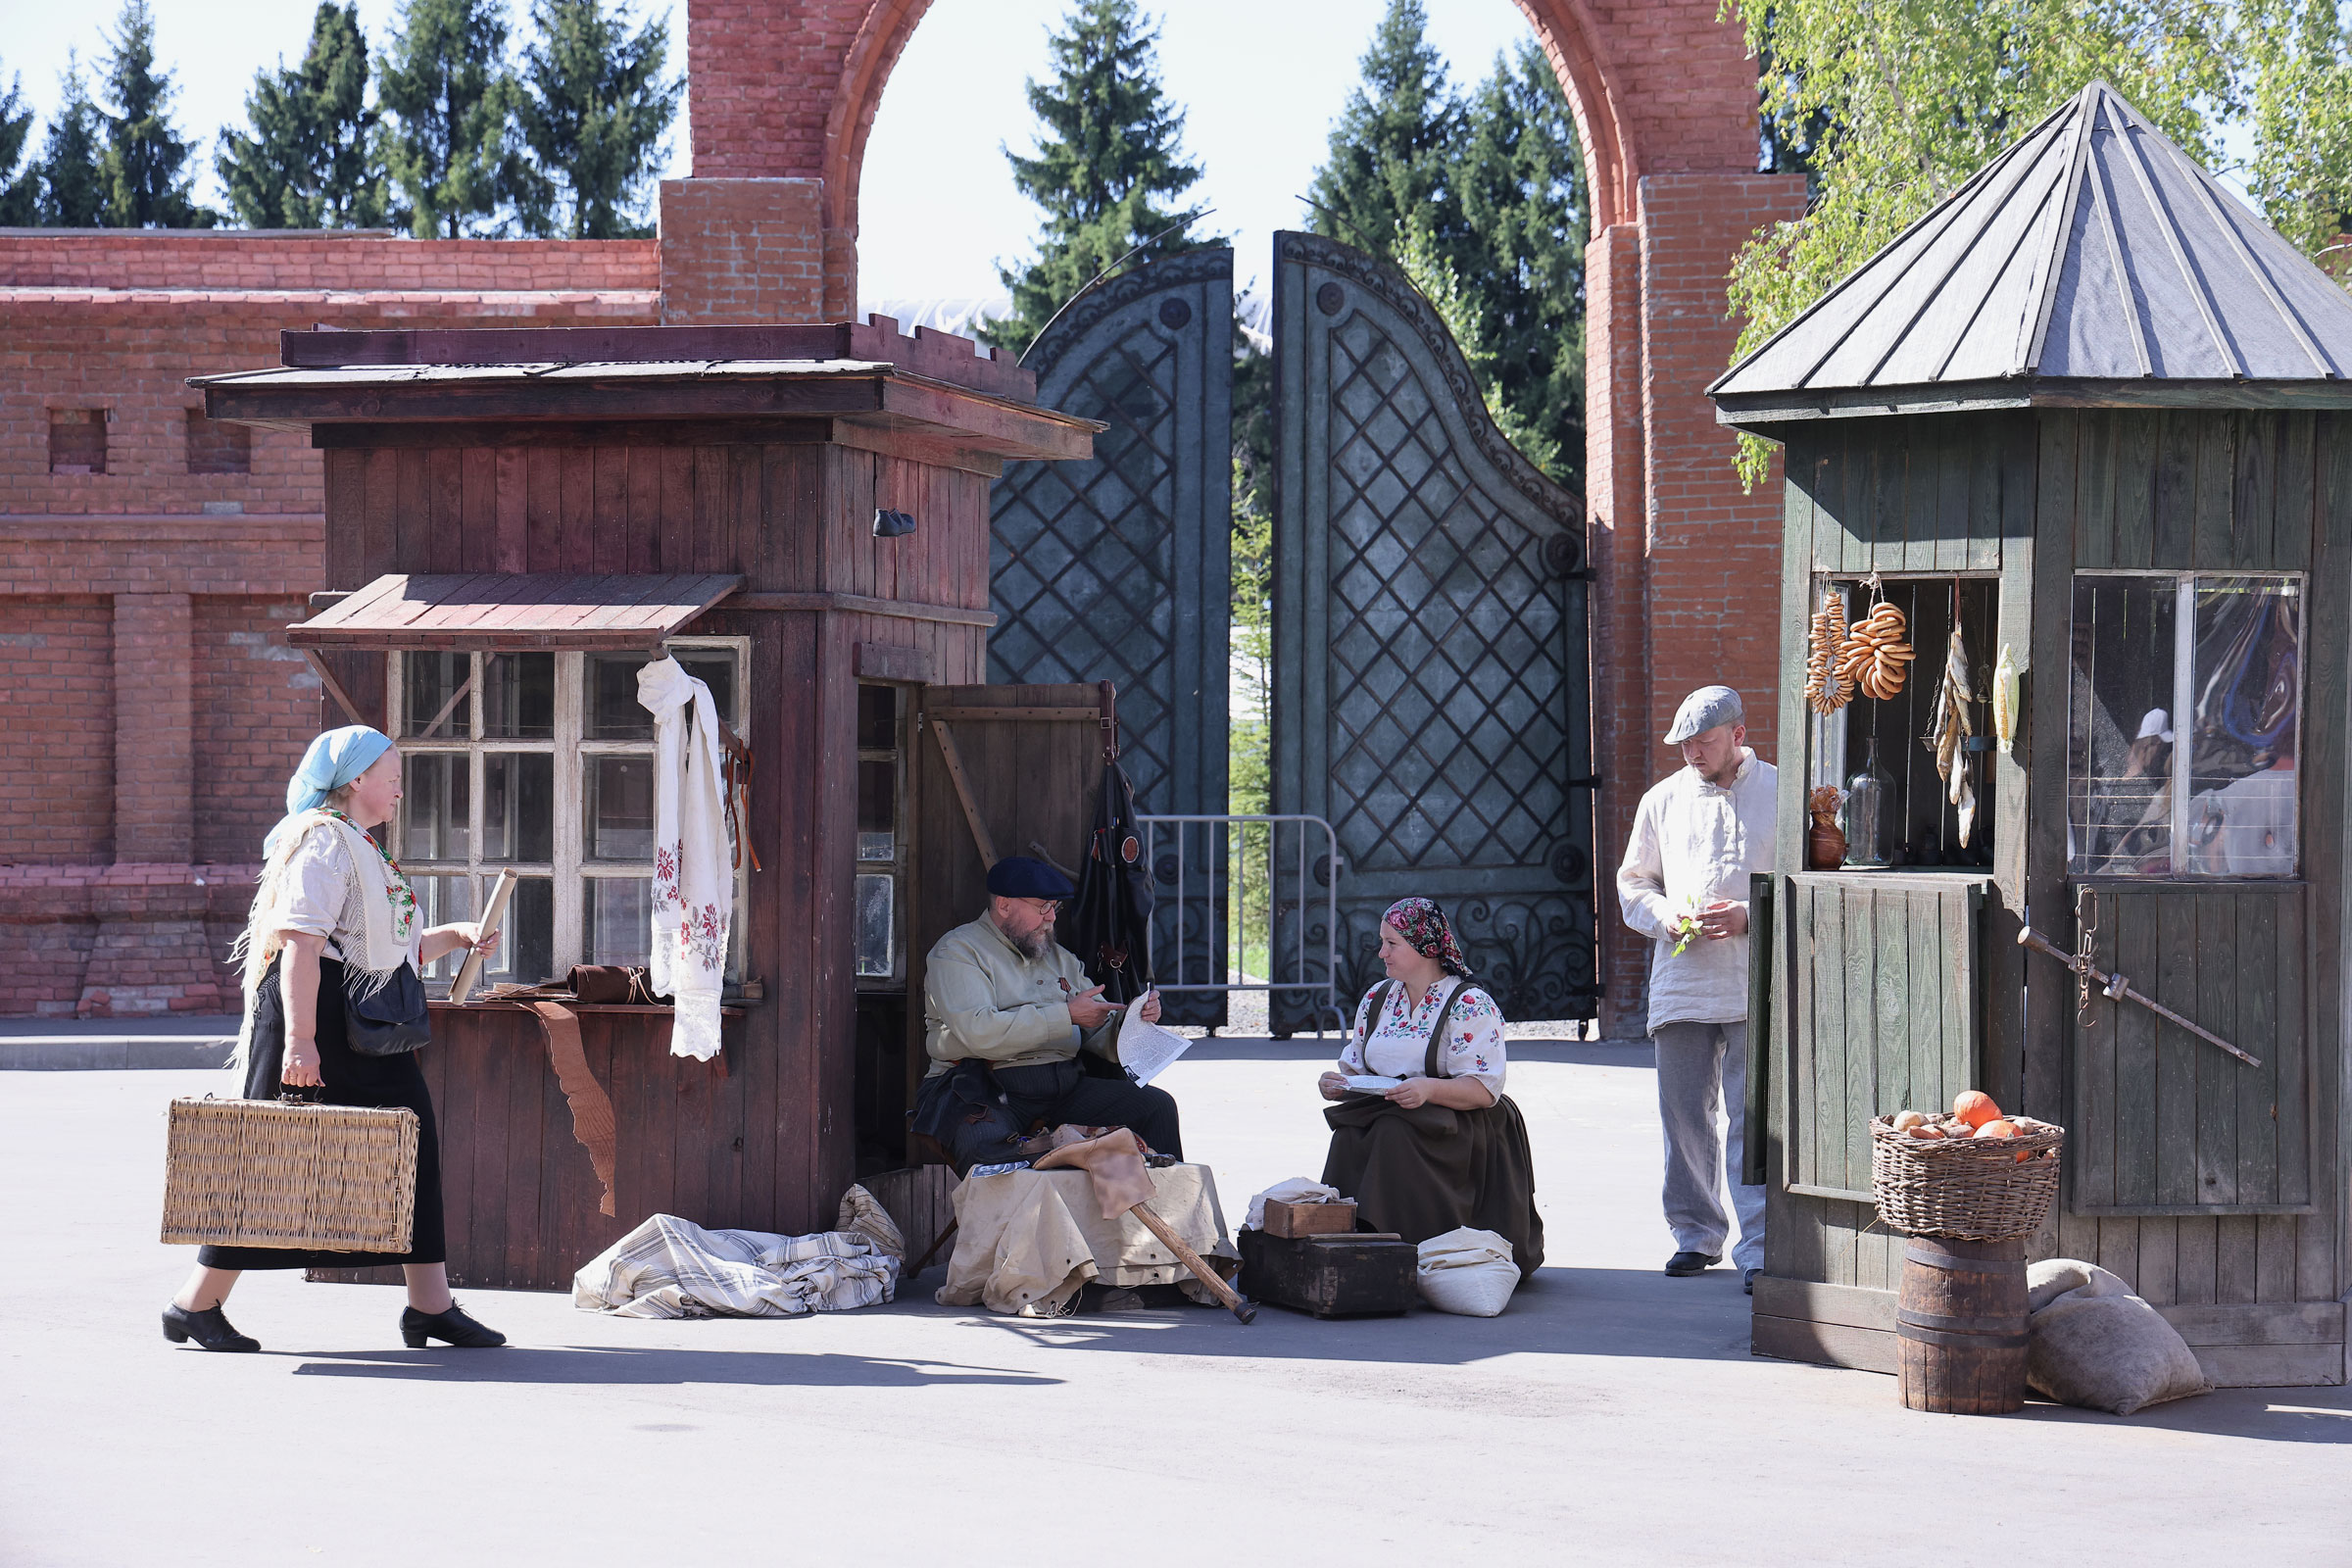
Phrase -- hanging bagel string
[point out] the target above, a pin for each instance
(1876, 654)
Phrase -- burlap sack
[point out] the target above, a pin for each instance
(2092, 1342)
(1468, 1271)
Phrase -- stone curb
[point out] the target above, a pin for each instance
(112, 1053)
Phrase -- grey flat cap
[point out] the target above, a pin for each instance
(1703, 709)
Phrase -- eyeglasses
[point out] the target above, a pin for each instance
(1044, 905)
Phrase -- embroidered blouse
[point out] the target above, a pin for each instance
(326, 896)
(1396, 1045)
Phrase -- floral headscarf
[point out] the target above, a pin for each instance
(1423, 924)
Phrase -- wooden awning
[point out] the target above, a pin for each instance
(513, 611)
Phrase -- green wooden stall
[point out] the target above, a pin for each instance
(2095, 410)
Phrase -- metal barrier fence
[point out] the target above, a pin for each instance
(1236, 891)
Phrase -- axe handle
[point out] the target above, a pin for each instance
(1192, 1260)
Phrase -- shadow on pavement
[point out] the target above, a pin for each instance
(2265, 1415)
(1562, 1311)
(656, 1366)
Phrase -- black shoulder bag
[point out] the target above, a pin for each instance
(386, 1020)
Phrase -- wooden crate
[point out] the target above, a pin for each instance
(1331, 1276)
(1310, 1219)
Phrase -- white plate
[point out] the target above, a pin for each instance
(1366, 1084)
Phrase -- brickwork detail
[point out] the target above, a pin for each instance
(243, 667)
(57, 709)
(742, 251)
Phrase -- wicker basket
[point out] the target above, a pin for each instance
(271, 1173)
(1970, 1189)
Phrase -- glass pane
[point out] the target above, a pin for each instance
(2119, 743)
(715, 667)
(440, 900)
(877, 811)
(613, 712)
(519, 807)
(619, 808)
(519, 697)
(432, 705)
(2248, 683)
(620, 919)
(434, 805)
(877, 718)
(876, 925)
(526, 954)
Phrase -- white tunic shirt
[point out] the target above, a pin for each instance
(1694, 843)
(1396, 1045)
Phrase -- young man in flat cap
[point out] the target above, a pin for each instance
(1697, 835)
(1006, 1012)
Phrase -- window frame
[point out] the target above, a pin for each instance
(571, 870)
(899, 867)
(2182, 710)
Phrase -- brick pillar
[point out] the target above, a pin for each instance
(155, 738)
(149, 952)
(1613, 478)
(739, 252)
(1690, 580)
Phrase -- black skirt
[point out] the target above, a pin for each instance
(351, 1079)
(1432, 1169)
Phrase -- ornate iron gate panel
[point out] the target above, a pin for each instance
(1431, 671)
(1119, 569)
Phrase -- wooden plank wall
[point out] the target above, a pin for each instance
(1911, 495)
(769, 1144)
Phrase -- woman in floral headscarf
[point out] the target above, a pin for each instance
(1446, 1147)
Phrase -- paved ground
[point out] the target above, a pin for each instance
(1612, 1414)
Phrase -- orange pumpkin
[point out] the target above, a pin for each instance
(1998, 1127)
(1975, 1107)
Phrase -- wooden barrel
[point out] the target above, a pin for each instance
(1960, 1326)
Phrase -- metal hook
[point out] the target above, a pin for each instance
(2087, 926)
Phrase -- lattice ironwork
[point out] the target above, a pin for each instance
(1119, 569)
(1432, 679)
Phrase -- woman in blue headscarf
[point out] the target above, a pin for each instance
(334, 916)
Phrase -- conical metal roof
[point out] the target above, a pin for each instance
(2091, 262)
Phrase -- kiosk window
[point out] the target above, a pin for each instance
(540, 764)
(2184, 717)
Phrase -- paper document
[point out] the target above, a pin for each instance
(1146, 1049)
(494, 914)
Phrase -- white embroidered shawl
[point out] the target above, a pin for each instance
(375, 928)
(694, 883)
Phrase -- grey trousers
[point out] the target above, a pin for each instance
(1703, 1068)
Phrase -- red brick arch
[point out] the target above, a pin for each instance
(783, 99)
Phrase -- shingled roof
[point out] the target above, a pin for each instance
(2092, 263)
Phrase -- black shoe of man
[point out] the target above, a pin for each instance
(1684, 1264)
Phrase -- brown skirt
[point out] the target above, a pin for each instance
(1432, 1169)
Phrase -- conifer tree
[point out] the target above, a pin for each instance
(451, 150)
(1111, 155)
(594, 108)
(20, 189)
(311, 159)
(72, 194)
(144, 172)
(1393, 144)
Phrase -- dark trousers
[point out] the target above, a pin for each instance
(1055, 1093)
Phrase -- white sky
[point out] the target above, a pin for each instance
(1257, 115)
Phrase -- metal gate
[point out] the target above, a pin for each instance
(1432, 662)
(1119, 567)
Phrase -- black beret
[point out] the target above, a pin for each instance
(1018, 876)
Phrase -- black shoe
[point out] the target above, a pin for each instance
(1682, 1265)
(205, 1327)
(1747, 1280)
(452, 1327)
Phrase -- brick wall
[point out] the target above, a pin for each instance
(742, 251)
(243, 667)
(229, 260)
(57, 709)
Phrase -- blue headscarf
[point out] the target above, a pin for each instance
(333, 760)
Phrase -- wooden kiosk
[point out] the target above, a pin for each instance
(2095, 410)
(515, 521)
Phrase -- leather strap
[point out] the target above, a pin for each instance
(591, 1109)
(1431, 1066)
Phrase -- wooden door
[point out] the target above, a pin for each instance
(998, 771)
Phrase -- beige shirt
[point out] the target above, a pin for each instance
(1692, 843)
(981, 997)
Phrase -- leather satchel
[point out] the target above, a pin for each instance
(387, 1019)
(612, 983)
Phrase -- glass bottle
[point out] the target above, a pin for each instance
(1870, 814)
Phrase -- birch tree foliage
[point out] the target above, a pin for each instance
(1919, 94)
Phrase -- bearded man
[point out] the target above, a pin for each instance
(1006, 1013)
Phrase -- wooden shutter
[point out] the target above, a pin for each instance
(1885, 1017)
(2163, 1123)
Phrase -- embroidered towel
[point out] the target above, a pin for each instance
(694, 891)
